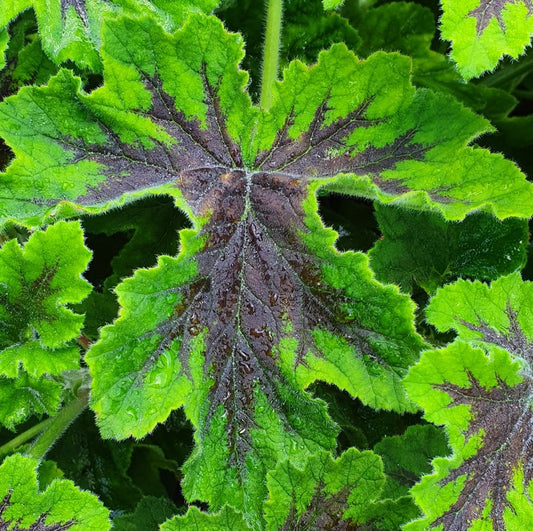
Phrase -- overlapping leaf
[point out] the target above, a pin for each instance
(60, 506)
(26, 62)
(70, 29)
(480, 389)
(423, 249)
(36, 328)
(483, 31)
(226, 518)
(405, 458)
(409, 28)
(258, 304)
(326, 493)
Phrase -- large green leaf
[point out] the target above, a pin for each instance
(258, 304)
(36, 328)
(483, 31)
(23, 506)
(480, 389)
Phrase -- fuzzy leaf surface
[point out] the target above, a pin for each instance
(23, 506)
(70, 29)
(226, 518)
(36, 328)
(326, 494)
(234, 370)
(480, 389)
(483, 31)
(423, 249)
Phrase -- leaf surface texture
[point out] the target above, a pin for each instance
(480, 389)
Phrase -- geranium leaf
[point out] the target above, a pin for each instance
(405, 458)
(148, 515)
(122, 140)
(480, 389)
(226, 518)
(423, 249)
(70, 29)
(325, 493)
(26, 62)
(36, 328)
(409, 28)
(61, 506)
(483, 31)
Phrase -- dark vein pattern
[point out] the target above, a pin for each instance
(503, 414)
(79, 7)
(255, 273)
(489, 9)
(323, 512)
(38, 525)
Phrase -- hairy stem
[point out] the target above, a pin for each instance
(24, 437)
(58, 425)
(271, 52)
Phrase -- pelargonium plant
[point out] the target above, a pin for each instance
(280, 289)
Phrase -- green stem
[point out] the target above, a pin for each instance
(271, 52)
(58, 425)
(10, 446)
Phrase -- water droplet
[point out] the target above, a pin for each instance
(244, 355)
(257, 332)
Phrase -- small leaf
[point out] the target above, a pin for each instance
(37, 329)
(326, 493)
(226, 518)
(405, 458)
(483, 31)
(60, 506)
(480, 389)
(423, 249)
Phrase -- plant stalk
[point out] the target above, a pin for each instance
(58, 425)
(271, 52)
(24, 437)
